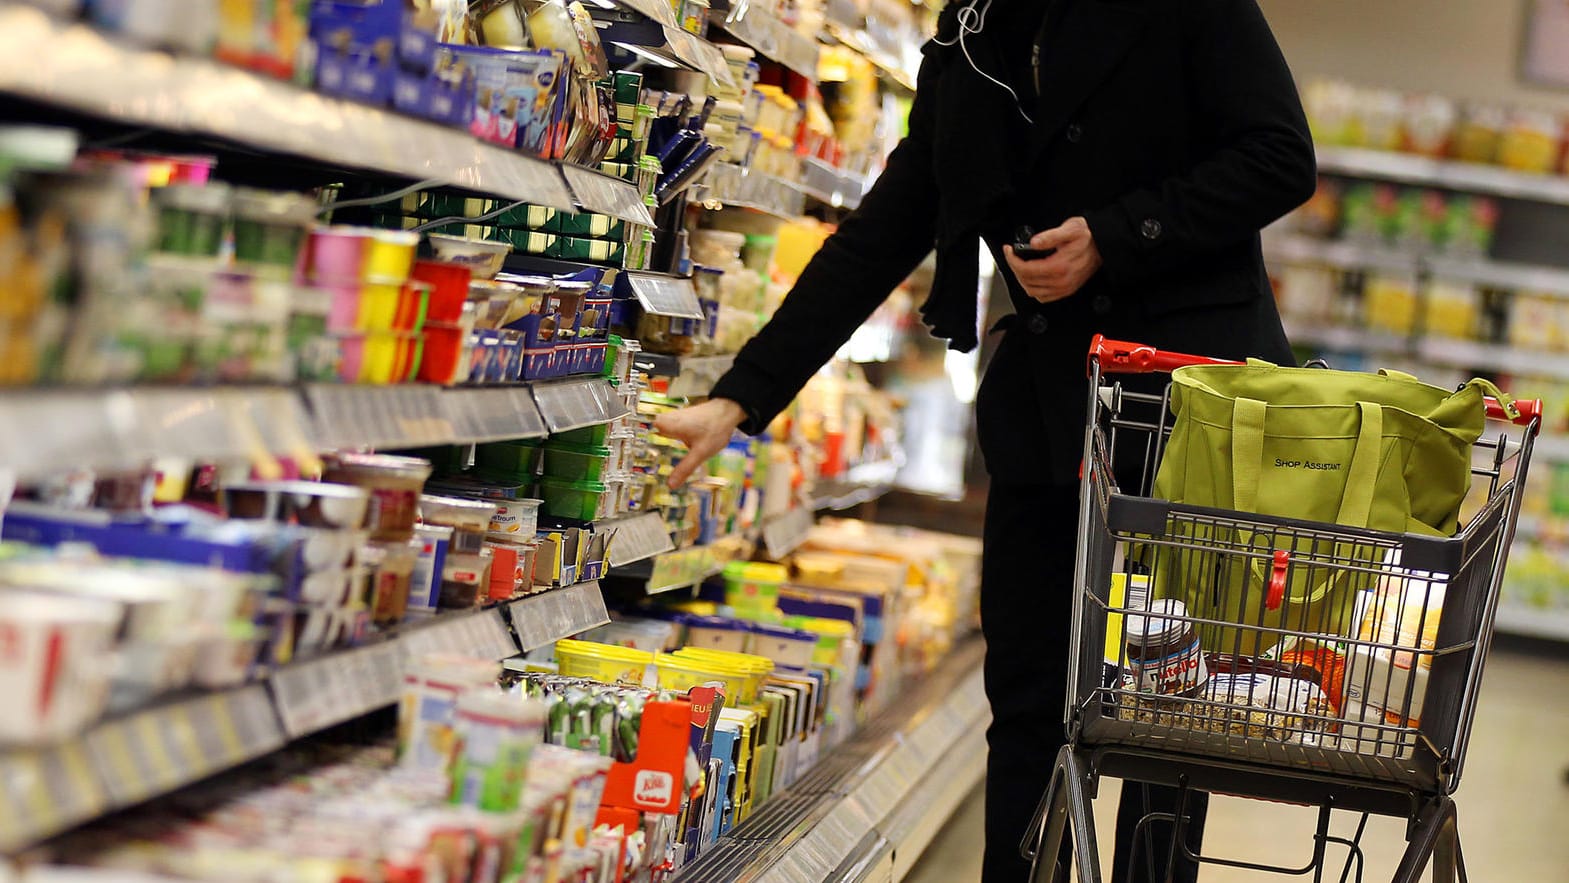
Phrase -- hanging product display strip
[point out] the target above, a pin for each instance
(89, 72)
(147, 752)
(854, 800)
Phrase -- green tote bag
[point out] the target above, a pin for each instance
(1382, 451)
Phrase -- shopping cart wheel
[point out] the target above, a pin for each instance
(1065, 811)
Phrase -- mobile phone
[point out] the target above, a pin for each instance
(1022, 249)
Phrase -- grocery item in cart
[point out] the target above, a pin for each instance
(1401, 618)
(1163, 653)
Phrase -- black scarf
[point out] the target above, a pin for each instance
(980, 145)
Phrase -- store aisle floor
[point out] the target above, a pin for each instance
(1514, 799)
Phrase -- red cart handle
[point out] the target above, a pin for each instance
(1121, 357)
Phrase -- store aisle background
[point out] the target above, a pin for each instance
(1514, 799)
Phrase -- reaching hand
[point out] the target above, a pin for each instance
(705, 430)
(1064, 273)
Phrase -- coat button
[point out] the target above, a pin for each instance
(1075, 133)
(1101, 304)
(1037, 324)
(1151, 229)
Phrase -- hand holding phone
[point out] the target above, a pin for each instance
(1024, 251)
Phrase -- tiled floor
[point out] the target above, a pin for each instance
(1514, 798)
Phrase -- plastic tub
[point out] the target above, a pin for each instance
(575, 462)
(605, 663)
(191, 218)
(678, 673)
(787, 647)
(413, 306)
(270, 228)
(512, 458)
(753, 669)
(378, 306)
(336, 255)
(445, 347)
(390, 357)
(449, 288)
(343, 311)
(308, 503)
(483, 257)
(390, 255)
(516, 517)
(468, 518)
(576, 500)
(716, 633)
(752, 589)
(394, 483)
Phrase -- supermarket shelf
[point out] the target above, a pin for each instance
(1530, 622)
(1497, 357)
(43, 430)
(638, 538)
(92, 73)
(1336, 253)
(1344, 337)
(736, 187)
(1550, 449)
(690, 376)
(1468, 354)
(1497, 274)
(1468, 177)
(873, 801)
(131, 758)
(772, 38)
(1295, 249)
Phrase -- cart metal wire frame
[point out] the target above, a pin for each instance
(1368, 711)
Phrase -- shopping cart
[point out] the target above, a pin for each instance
(1272, 722)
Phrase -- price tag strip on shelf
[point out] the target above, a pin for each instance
(598, 192)
(45, 790)
(784, 533)
(345, 416)
(97, 74)
(559, 613)
(313, 695)
(482, 415)
(637, 537)
(64, 429)
(574, 404)
(150, 752)
(481, 635)
(672, 296)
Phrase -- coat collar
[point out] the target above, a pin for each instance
(1091, 40)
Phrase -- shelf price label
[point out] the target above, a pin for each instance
(559, 613)
(784, 533)
(45, 790)
(672, 296)
(598, 192)
(573, 404)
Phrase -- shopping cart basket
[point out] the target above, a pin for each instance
(1372, 716)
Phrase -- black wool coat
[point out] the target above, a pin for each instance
(1172, 126)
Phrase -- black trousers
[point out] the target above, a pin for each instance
(1026, 607)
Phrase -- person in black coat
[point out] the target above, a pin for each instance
(1150, 141)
